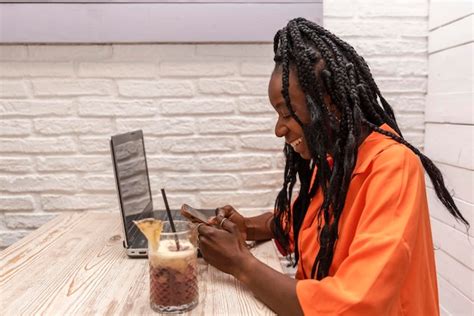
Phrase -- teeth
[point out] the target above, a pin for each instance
(296, 142)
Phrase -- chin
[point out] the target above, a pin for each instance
(305, 156)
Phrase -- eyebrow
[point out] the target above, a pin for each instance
(282, 105)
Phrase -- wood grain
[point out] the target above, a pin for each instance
(76, 265)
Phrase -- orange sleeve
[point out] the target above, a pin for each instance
(369, 280)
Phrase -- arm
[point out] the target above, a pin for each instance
(259, 227)
(274, 289)
(222, 248)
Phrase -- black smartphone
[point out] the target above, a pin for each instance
(195, 215)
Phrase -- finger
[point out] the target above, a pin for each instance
(228, 225)
(213, 220)
(221, 220)
(197, 226)
(205, 229)
(225, 211)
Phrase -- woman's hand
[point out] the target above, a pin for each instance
(230, 213)
(223, 247)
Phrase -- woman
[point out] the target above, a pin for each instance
(359, 228)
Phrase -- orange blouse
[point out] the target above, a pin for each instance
(383, 262)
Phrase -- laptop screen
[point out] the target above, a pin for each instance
(132, 181)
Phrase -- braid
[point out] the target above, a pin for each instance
(326, 65)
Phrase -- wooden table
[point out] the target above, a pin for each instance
(76, 265)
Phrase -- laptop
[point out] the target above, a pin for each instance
(133, 190)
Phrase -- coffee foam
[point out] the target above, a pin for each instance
(168, 256)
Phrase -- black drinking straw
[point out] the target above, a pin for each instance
(170, 218)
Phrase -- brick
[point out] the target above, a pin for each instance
(27, 221)
(197, 106)
(36, 183)
(396, 85)
(13, 127)
(69, 52)
(70, 87)
(415, 138)
(264, 198)
(234, 162)
(390, 47)
(410, 9)
(94, 145)
(159, 127)
(74, 163)
(390, 28)
(241, 50)
(266, 179)
(35, 108)
(18, 203)
(13, 52)
(371, 9)
(116, 108)
(38, 145)
(10, 237)
(234, 125)
(196, 182)
(13, 89)
(228, 86)
(395, 67)
(171, 163)
(205, 68)
(197, 144)
(339, 9)
(159, 88)
(97, 183)
(152, 52)
(411, 122)
(73, 126)
(402, 103)
(79, 202)
(257, 68)
(234, 86)
(175, 200)
(255, 105)
(16, 164)
(280, 160)
(33, 69)
(117, 70)
(3, 226)
(262, 143)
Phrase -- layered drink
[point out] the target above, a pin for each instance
(173, 276)
(172, 258)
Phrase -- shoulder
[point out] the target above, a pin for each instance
(397, 157)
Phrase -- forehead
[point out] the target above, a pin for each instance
(276, 85)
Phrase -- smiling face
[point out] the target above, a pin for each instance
(286, 126)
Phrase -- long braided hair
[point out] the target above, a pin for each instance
(304, 46)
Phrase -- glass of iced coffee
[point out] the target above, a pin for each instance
(173, 269)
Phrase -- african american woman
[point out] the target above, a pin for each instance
(359, 230)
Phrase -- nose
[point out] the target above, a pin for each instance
(280, 128)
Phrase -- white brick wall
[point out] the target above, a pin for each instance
(203, 108)
(449, 142)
